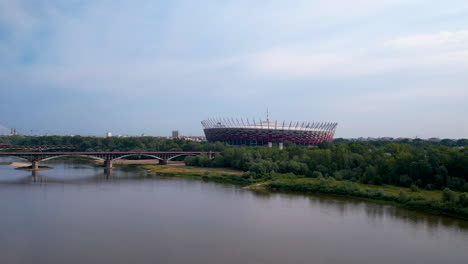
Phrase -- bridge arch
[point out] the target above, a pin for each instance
(87, 156)
(183, 154)
(147, 155)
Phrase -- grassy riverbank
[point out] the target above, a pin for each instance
(210, 174)
(434, 201)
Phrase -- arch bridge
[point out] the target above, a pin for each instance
(107, 157)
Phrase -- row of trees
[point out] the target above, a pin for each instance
(116, 144)
(424, 164)
(429, 166)
(415, 142)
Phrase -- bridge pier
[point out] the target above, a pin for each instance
(210, 155)
(108, 164)
(35, 165)
(108, 173)
(162, 162)
(34, 174)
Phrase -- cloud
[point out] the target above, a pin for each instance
(104, 46)
(444, 52)
(13, 14)
(232, 53)
(303, 64)
(441, 40)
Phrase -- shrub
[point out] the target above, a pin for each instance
(414, 188)
(317, 174)
(381, 193)
(430, 187)
(463, 199)
(449, 195)
(403, 197)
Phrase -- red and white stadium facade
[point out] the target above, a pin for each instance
(240, 132)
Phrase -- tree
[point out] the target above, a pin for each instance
(317, 174)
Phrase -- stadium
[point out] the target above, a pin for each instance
(235, 132)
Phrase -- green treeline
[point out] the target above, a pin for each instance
(428, 166)
(349, 168)
(115, 143)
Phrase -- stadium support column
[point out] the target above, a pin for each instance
(270, 144)
(280, 146)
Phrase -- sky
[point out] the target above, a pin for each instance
(396, 68)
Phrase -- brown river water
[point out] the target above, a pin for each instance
(75, 213)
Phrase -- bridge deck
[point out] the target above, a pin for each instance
(108, 156)
(104, 153)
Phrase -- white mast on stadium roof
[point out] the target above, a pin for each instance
(268, 120)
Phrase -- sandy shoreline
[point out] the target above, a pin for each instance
(19, 164)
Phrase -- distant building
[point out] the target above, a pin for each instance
(108, 134)
(194, 138)
(13, 132)
(175, 133)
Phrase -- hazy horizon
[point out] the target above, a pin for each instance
(389, 68)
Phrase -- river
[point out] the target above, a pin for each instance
(75, 213)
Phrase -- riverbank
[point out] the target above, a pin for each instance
(24, 166)
(179, 169)
(434, 201)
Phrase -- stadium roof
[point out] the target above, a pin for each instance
(284, 125)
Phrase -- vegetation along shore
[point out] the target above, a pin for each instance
(419, 175)
(424, 175)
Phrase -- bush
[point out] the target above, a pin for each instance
(449, 195)
(430, 187)
(277, 176)
(317, 174)
(403, 197)
(191, 161)
(463, 199)
(414, 188)
(381, 193)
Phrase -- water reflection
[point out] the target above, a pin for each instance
(64, 171)
(82, 171)
(375, 211)
(80, 210)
